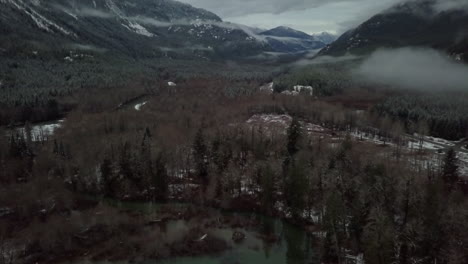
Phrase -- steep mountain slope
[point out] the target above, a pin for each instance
(416, 23)
(144, 28)
(285, 39)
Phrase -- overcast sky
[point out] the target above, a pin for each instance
(311, 16)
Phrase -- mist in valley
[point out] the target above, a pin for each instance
(414, 68)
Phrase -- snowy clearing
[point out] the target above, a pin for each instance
(434, 147)
(278, 120)
(42, 131)
(439, 141)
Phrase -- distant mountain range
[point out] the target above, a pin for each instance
(285, 39)
(137, 29)
(415, 23)
(144, 28)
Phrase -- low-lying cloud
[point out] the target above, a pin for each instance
(90, 12)
(310, 15)
(226, 25)
(414, 68)
(448, 5)
(243, 7)
(96, 13)
(84, 47)
(187, 48)
(84, 11)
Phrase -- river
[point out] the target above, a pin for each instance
(293, 244)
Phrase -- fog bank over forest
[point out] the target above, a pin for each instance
(414, 68)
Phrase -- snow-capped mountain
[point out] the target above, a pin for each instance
(285, 39)
(144, 28)
(325, 37)
(415, 23)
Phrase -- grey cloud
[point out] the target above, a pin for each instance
(447, 5)
(226, 25)
(89, 12)
(414, 68)
(186, 48)
(156, 23)
(87, 48)
(229, 8)
(308, 15)
(85, 12)
(312, 60)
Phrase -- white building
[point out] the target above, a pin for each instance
(309, 90)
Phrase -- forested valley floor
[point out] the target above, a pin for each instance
(369, 173)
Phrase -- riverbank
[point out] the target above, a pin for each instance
(129, 232)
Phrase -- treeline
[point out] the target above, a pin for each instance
(445, 114)
(386, 211)
(191, 143)
(324, 81)
(324, 75)
(36, 87)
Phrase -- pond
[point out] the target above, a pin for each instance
(292, 246)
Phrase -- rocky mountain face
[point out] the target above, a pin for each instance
(137, 29)
(415, 23)
(144, 28)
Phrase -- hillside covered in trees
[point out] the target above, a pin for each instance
(204, 142)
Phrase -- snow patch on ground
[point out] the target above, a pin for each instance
(40, 20)
(281, 123)
(311, 215)
(43, 131)
(359, 259)
(312, 128)
(71, 14)
(139, 106)
(277, 120)
(438, 141)
(425, 145)
(434, 147)
(139, 29)
(373, 138)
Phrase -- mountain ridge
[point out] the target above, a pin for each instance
(286, 39)
(415, 23)
(135, 29)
